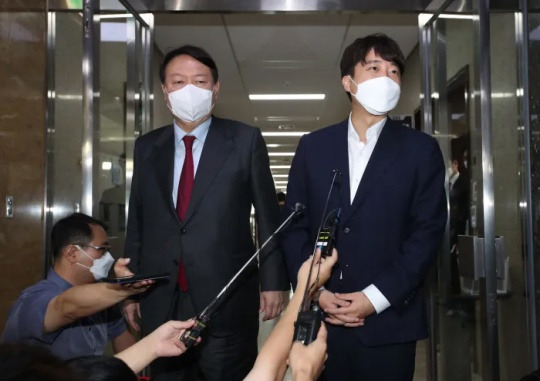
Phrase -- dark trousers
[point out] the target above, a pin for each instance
(350, 360)
(228, 358)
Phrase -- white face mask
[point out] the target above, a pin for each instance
(191, 103)
(100, 267)
(378, 95)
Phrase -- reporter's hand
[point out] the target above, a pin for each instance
(121, 270)
(335, 308)
(165, 340)
(307, 362)
(132, 312)
(326, 269)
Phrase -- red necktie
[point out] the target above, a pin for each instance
(185, 187)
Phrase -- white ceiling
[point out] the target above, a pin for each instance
(281, 54)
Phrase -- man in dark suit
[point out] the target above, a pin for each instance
(194, 183)
(393, 204)
(458, 195)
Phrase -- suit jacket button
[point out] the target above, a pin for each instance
(346, 230)
(183, 231)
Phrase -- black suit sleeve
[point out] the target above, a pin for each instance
(295, 240)
(272, 266)
(133, 231)
(427, 221)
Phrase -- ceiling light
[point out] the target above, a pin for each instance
(280, 166)
(280, 153)
(286, 118)
(281, 182)
(115, 16)
(285, 133)
(280, 176)
(275, 145)
(286, 97)
(456, 16)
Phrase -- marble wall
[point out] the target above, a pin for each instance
(23, 27)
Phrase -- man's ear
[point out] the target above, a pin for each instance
(165, 93)
(347, 83)
(70, 252)
(216, 89)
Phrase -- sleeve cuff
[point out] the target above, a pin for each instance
(376, 298)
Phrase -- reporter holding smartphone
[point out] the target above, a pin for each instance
(69, 311)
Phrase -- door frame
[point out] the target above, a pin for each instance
(433, 39)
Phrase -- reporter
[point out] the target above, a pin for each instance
(68, 311)
(307, 362)
(162, 342)
(102, 368)
(271, 363)
(24, 362)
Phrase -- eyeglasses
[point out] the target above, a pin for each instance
(102, 249)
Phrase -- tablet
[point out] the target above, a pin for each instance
(137, 278)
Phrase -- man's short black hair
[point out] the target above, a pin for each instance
(71, 230)
(194, 52)
(25, 362)
(383, 46)
(102, 368)
(281, 196)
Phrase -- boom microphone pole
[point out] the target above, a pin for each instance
(189, 337)
(309, 317)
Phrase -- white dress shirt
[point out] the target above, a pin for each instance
(200, 133)
(359, 154)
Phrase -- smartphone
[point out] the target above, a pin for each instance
(137, 278)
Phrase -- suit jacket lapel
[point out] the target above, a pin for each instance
(383, 155)
(217, 147)
(342, 161)
(163, 160)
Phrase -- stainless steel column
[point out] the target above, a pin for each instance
(488, 286)
(49, 142)
(133, 93)
(147, 95)
(431, 281)
(522, 44)
(90, 70)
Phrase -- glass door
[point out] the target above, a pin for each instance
(480, 329)
(99, 102)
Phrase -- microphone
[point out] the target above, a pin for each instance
(299, 207)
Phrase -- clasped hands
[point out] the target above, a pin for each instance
(348, 309)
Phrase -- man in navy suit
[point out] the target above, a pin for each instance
(393, 213)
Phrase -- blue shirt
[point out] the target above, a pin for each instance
(84, 337)
(200, 133)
